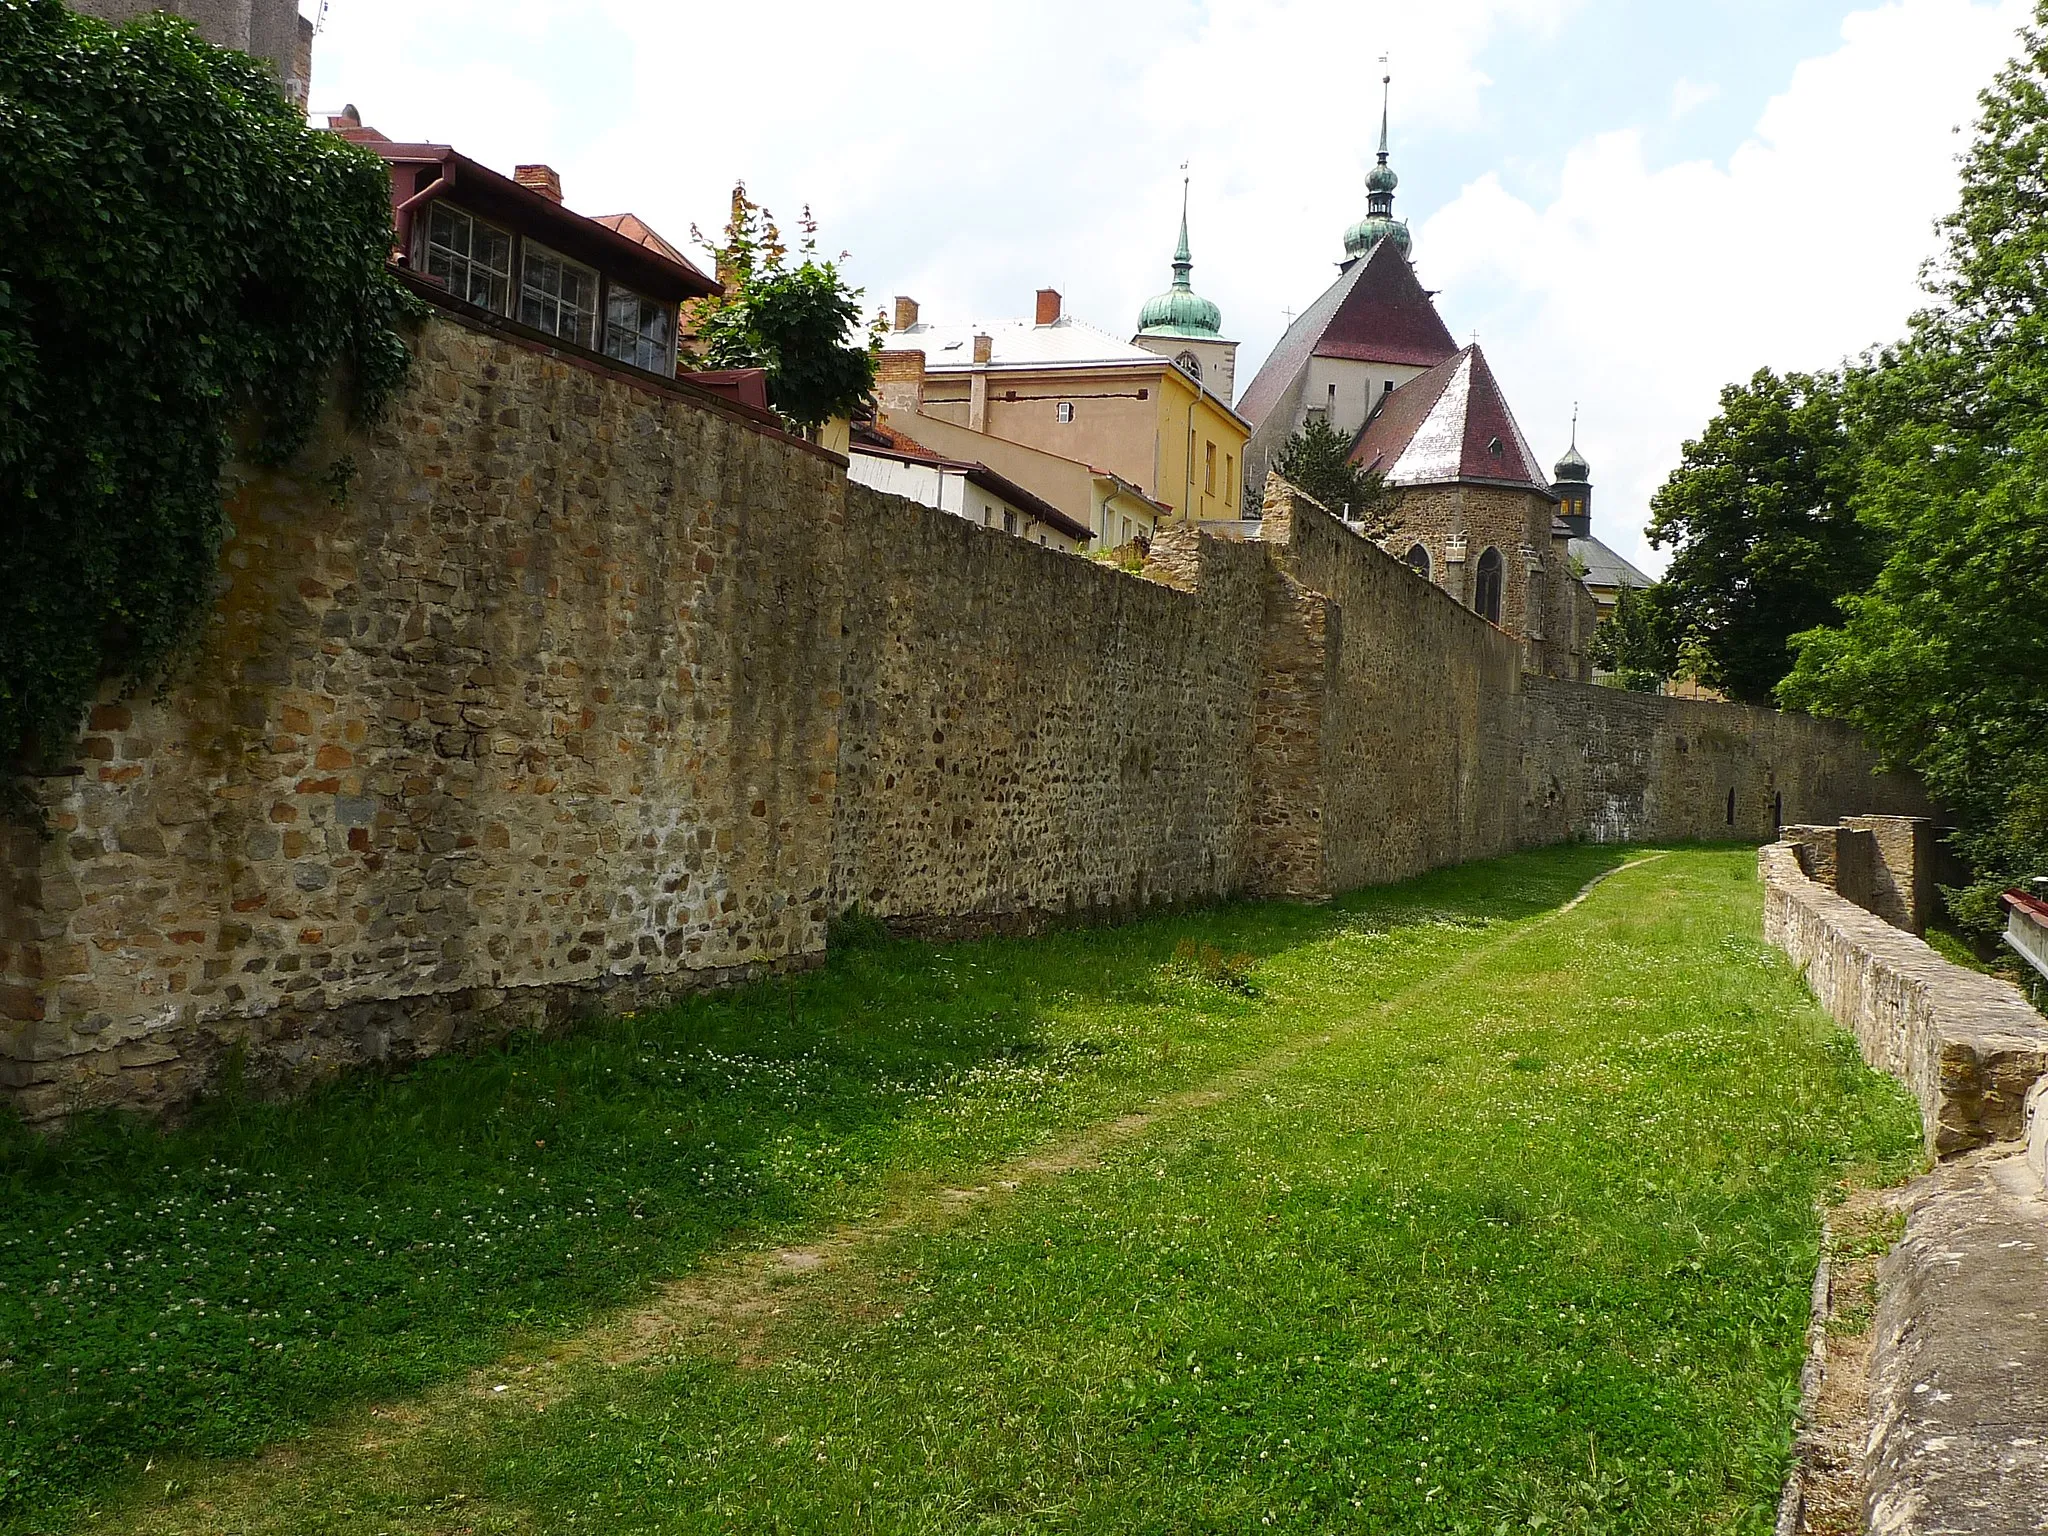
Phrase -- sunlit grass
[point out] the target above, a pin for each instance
(1512, 1231)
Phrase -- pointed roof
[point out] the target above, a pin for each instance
(1180, 311)
(1376, 312)
(1450, 424)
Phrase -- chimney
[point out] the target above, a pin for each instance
(541, 179)
(984, 348)
(1048, 306)
(348, 117)
(899, 382)
(906, 313)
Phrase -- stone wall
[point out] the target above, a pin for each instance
(593, 684)
(1420, 733)
(547, 702)
(1967, 1045)
(1027, 732)
(1629, 767)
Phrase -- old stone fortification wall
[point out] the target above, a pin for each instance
(1968, 1046)
(548, 701)
(1420, 734)
(590, 683)
(1026, 732)
(1627, 767)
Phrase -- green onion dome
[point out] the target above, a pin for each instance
(1180, 311)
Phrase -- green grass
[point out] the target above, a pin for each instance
(1511, 1232)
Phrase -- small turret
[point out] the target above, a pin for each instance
(1574, 487)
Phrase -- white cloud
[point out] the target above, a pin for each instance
(1688, 96)
(964, 153)
(968, 153)
(1643, 289)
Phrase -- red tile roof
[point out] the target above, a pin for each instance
(1450, 424)
(1376, 312)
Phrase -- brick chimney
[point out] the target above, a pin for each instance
(984, 348)
(1048, 306)
(906, 312)
(899, 383)
(541, 179)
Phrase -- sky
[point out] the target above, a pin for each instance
(1631, 203)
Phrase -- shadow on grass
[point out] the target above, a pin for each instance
(209, 1289)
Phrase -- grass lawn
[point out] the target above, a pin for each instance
(1458, 1213)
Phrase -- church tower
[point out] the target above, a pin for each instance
(1379, 222)
(1186, 327)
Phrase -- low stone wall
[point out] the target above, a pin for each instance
(1967, 1045)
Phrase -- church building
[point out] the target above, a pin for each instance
(1474, 512)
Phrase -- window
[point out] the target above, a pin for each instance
(1486, 595)
(1418, 558)
(472, 258)
(1229, 479)
(1190, 365)
(1127, 531)
(1009, 522)
(1731, 807)
(557, 296)
(637, 331)
(1064, 413)
(1209, 469)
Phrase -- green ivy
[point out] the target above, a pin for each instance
(180, 258)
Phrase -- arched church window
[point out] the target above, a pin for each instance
(1486, 595)
(1418, 557)
(1189, 364)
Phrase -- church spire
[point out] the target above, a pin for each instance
(1183, 259)
(1379, 222)
(1180, 311)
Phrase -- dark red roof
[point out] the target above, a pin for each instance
(1376, 312)
(2033, 906)
(749, 386)
(422, 172)
(1450, 424)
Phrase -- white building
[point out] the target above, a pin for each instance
(888, 462)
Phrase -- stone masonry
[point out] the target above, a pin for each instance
(1968, 1046)
(565, 685)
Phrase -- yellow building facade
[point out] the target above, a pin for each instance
(1063, 387)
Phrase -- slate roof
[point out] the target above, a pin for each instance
(1377, 312)
(1605, 568)
(1450, 424)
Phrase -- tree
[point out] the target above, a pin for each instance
(799, 322)
(1317, 459)
(1943, 663)
(179, 256)
(1767, 540)
(1633, 643)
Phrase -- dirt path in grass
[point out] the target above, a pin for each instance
(731, 1305)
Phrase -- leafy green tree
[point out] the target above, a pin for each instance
(1766, 540)
(800, 322)
(179, 256)
(1633, 643)
(1943, 663)
(1317, 458)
